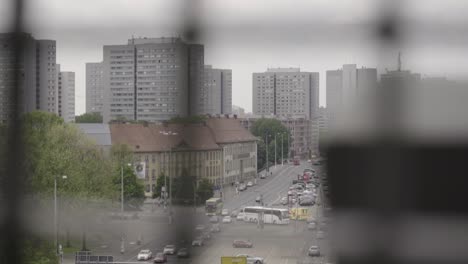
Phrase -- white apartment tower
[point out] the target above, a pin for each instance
(94, 87)
(215, 96)
(37, 79)
(151, 79)
(285, 92)
(66, 95)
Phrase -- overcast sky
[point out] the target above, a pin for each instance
(249, 36)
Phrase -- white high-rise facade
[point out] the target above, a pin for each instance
(285, 92)
(151, 79)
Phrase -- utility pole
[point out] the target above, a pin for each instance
(266, 149)
(275, 151)
(58, 250)
(282, 159)
(122, 241)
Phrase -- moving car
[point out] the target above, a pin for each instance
(240, 243)
(183, 253)
(225, 212)
(214, 219)
(197, 242)
(242, 187)
(313, 251)
(252, 259)
(258, 199)
(249, 184)
(200, 227)
(160, 258)
(320, 234)
(215, 228)
(169, 250)
(206, 236)
(234, 213)
(144, 254)
(227, 219)
(262, 176)
(312, 226)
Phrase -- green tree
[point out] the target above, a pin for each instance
(134, 193)
(159, 185)
(204, 190)
(266, 129)
(89, 118)
(183, 188)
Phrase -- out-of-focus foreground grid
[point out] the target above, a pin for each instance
(397, 172)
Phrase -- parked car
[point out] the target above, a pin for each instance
(249, 184)
(183, 253)
(240, 243)
(263, 176)
(169, 250)
(258, 199)
(160, 258)
(144, 254)
(313, 251)
(215, 228)
(320, 234)
(225, 212)
(197, 242)
(252, 259)
(284, 200)
(234, 213)
(214, 219)
(242, 187)
(227, 219)
(200, 227)
(240, 216)
(312, 226)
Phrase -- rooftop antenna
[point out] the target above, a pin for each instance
(399, 61)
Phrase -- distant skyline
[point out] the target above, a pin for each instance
(251, 36)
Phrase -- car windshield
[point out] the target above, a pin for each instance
(144, 251)
(170, 246)
(159, 255)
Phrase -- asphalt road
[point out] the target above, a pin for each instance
(282, 244)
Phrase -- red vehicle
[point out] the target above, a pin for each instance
(242, 244)
(297, 160)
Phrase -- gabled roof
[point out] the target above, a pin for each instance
(151, 137)
(228, 130)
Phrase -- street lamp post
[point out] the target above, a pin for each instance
(57, 251)
(122, 241)
(169, 133)
(282, 159)
(266, 149)
(275, 151)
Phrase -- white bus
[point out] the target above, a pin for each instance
(278, 216)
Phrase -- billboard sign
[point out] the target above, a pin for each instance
(140, 170)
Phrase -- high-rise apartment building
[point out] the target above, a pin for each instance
(66, 95)
(348, 86)
(94, 87)
(37, 82)
(215, 97)
(151, 79)
(285, 92)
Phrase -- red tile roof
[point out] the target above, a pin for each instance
(207, 136)
(150, 138)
